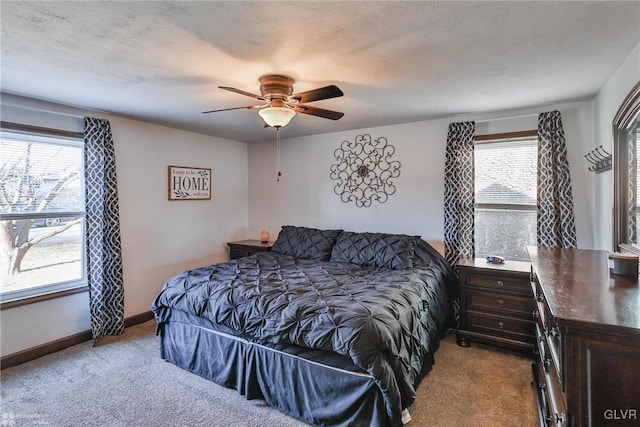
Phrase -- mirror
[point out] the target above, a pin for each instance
(626, 144)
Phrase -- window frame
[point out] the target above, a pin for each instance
(48, 291)
(628, 112)
(498, 138)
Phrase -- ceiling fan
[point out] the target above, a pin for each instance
(280, 104)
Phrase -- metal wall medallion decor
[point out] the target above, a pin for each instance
(364, 170)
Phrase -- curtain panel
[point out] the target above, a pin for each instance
(459, 197)
(555, 215)
(104, 258)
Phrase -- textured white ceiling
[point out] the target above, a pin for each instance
(396, 62)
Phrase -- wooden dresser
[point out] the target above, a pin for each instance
(587, 372)
(496, 304)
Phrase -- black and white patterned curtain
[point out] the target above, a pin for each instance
(555, 218)
(459, 192)
(104, 260)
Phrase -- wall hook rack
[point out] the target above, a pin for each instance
(600, 160)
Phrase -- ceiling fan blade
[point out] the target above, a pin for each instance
(317, 94)
(242, 92)
(320, 112)
(250, 107)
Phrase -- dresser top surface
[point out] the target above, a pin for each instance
(482, 264)
(578, 287)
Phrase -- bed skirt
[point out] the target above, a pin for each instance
(319, 388)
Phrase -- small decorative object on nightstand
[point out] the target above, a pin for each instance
(264, 236)
(496, 304)
(244, 248)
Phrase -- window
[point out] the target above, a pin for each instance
(41, 214)
(633, 238)
(505, 196)
(624, 166)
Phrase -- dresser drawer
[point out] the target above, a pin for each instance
(503, 326)
(551, 404)
(557, 408)
(554, 341)
(499, 282)
(545, 356)
(548, 330)
(502, 304)
(539, 384)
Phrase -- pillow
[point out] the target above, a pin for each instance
(375, 249)
(305, 243)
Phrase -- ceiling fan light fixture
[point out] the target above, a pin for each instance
(277, 116)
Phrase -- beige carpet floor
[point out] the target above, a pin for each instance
(476, 386)
(123, 382)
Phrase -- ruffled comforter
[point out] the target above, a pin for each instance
(388, 322)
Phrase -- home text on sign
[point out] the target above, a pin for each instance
(189, 183)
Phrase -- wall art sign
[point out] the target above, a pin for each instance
(186, 183)
(364, 170)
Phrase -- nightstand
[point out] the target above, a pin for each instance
(496, 304)
(244, 248)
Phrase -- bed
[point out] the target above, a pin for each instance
(331, 327)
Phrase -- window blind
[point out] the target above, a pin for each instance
(40, 174)
(505, 172)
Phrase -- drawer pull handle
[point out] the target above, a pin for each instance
(560, 418)
(500, 283)
(555, 332)
(546, 363)
(501, 325)
(501, 303)
(536, 314)
(539, 297)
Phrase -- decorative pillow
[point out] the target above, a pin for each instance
(375, 249)
(306, 243)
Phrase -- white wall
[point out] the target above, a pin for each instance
(159, 238)
(606, 104)
(305, 196)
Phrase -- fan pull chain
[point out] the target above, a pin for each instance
(278, 153)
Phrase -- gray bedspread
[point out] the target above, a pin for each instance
(388, 322)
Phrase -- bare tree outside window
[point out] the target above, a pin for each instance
(41, 208)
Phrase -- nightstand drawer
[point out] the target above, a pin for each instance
(240, 253)
(243, 248)
(499, 282)
(503, 326)
(499, 303)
